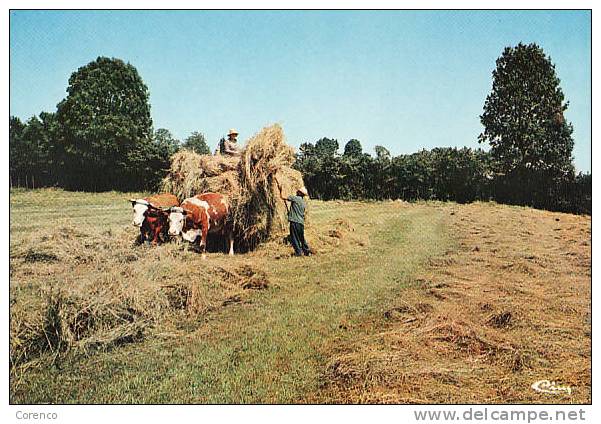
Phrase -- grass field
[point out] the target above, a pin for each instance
(389, 309)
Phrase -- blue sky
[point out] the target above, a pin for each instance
(403, 79)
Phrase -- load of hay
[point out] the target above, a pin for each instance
(249, 182)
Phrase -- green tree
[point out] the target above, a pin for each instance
(459, 174)
(16, 151)
(325, 147)
(104, 118)
(380, 180)
(37, 151)
(306, 163)
(420, 173)
(354, 168)
(149, 160)
(306, 151)
(581, 194)
(382, 154)
(165, 141)
(197, 143)
(531, 142)
(322, 168)
(33, 151)
(353, 148)
(53, 153)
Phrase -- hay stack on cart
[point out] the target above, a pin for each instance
(249, 182)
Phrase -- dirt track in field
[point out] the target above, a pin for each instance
(509, 305)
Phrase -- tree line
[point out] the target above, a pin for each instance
(444, 173)
(40, 158)
(101, 137)
(529, 162)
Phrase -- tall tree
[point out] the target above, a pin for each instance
(32, 151)
(382, 154)
(353, 148)
(103, 119)
(354, 166)
(165, 141)
(17, 150)
(326, 147)
(197, 143)
(37, 146)
(149, 160)
(306, 151)
(524, 123)
(380, 178)
(53, 151)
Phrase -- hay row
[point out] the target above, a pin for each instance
(84, 316)
(484, 321)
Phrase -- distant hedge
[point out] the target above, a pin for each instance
(461, 175)
(101, 138)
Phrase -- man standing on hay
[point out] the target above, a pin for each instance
(229, 147)
(296, 217)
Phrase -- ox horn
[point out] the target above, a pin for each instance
(177, 209)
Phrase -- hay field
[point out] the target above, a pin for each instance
(424, 302)
(508, 305)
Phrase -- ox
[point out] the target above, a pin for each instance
(198, 216)
(150, 216)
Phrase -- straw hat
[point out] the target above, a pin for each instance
(232, 132)
(303, 191)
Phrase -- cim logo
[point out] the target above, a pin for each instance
(546, 386)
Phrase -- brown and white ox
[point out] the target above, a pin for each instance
(199, 216)
(150, 214)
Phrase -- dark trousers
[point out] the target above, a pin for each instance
(297, 238)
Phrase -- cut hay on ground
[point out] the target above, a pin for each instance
(508, 307)
(124, 296)
(248, 181)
